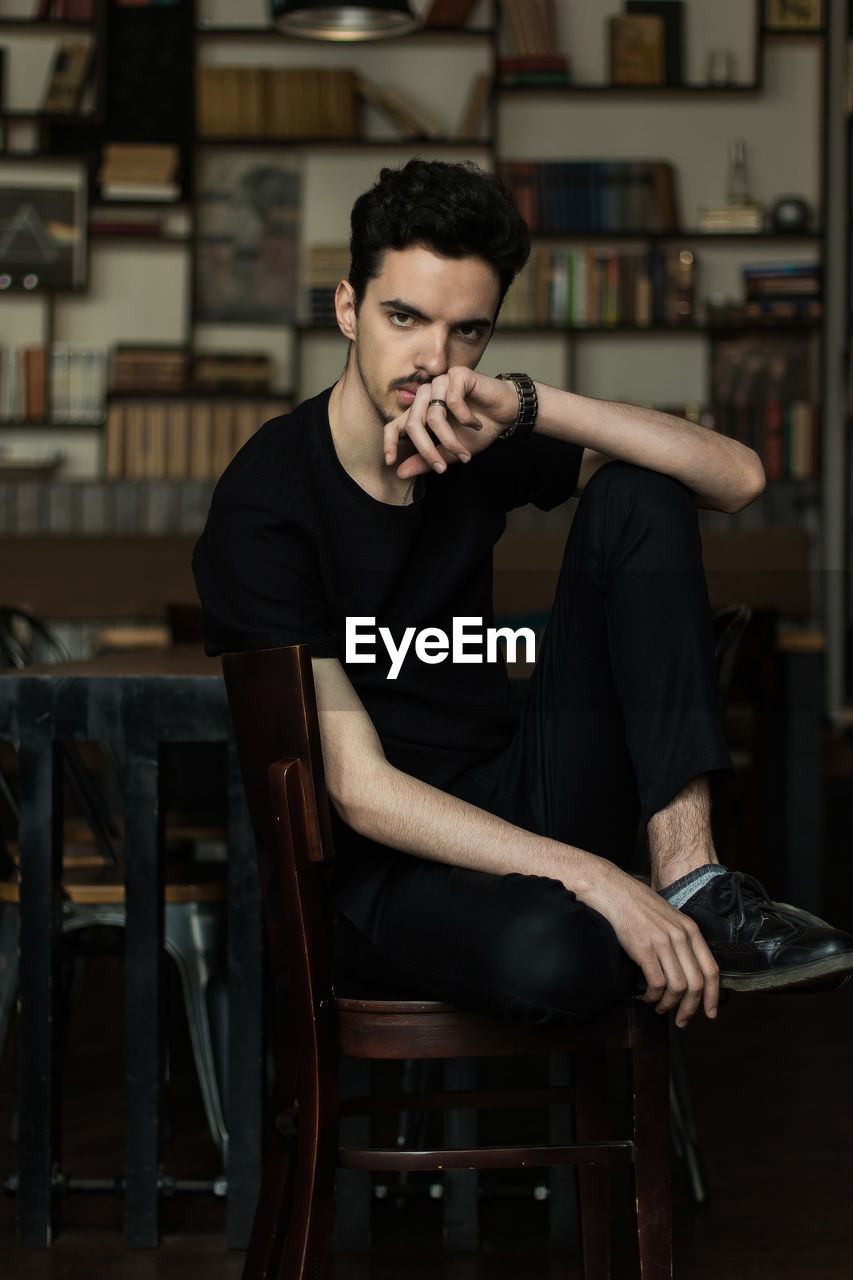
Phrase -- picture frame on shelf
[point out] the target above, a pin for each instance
(43, 237)
(793, 15)
(248, 232)
(637, 49)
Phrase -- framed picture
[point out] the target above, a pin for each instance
(42, 237)
(793, 15)
(248, 225)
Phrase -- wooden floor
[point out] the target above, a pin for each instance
(773, 1090)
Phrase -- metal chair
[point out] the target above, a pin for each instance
(93, 894)
(275, 722)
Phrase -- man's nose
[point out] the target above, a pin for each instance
(433, 353)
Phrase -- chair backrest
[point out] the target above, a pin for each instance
(274, 713)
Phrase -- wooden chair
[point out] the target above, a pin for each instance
(275, 721)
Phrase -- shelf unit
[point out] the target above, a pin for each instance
(259, 44)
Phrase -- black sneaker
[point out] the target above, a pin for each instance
(761, 945)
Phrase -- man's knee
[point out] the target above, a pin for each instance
(560, 964)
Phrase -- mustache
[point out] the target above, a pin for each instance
(414, 380)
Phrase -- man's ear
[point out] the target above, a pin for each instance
(345, 309)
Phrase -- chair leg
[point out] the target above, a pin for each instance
(193, 934)
(684, 1122)
(650, 1089)
(592, 1122)
(272, 1215)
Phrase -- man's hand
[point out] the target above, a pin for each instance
(678, 966)
(473, 412)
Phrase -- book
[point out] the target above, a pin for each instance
(529, 26)
(400, 110)
(475, 108)
(448, 13)
(67, 77)
(637, 49)
(672, 13)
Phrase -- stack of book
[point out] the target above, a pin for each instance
(603, 288)
(780, 292)
(276, 102)
(168, 221)
(741, 216)
(148, 367)
(327, 266)
(593, 195)
(173, 439)
(139, 171)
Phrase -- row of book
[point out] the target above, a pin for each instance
(173, 439)
(529, 25)
(593, 195)
(167, 369)
(64, 10)
(98, 507)
(326, 266)
(603, 288)
(66, 382)
(277, 102)
(785, 435)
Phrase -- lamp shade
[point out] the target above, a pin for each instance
(368, 20)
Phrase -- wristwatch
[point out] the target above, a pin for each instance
(528, 404)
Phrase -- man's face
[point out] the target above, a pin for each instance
(420, 316)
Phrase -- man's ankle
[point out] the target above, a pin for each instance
(665, 871)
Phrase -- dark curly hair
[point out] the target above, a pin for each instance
(457, 210)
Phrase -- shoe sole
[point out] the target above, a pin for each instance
(824, 975)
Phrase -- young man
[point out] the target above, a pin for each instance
(481, 855)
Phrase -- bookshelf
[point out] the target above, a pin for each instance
(142, 286)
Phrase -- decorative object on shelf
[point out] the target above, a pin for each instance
(637, 49)
(741, 213)
(248, 214)
(67, 77)
(720, 68)
(790, 214)
(320, 20)
(671, 12)
(793, 15)
(42, 237)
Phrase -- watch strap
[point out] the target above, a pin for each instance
(528, 405)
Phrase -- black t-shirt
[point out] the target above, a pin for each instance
(293, 547)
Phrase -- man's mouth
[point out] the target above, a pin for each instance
(407, 391)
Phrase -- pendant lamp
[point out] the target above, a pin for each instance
(320, 20)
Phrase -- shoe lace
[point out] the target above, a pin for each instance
(736, 887)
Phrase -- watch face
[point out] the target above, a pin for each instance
(790, 214)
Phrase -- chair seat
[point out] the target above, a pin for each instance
(432, 1029)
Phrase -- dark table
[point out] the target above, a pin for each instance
(136, 701)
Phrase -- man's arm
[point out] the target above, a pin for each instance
(723, 473)
(386, 805)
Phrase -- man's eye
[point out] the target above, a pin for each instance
(401, 320)
(469, 331)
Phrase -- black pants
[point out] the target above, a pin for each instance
(621, 713)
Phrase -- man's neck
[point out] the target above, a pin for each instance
(357, 436)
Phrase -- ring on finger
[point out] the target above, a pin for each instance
(443, 403)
